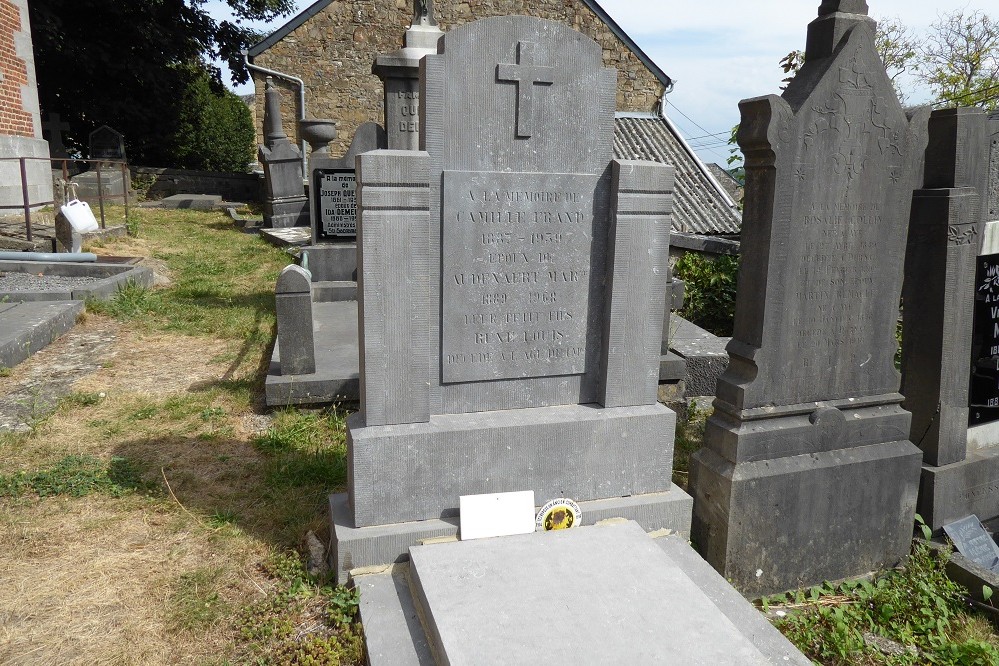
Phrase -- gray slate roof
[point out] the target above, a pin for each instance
(700, 205)
(593, 5)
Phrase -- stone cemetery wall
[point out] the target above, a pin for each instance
(333, 53)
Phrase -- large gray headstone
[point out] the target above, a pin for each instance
(107, 144)
(807, 417)
(511, 281)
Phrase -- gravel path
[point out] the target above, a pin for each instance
(32, 282)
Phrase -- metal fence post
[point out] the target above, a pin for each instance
(126, 182)
(100, 194)
(25, 198)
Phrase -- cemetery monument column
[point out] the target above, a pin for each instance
(807, 473)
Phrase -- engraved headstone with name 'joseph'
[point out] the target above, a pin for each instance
(807, 473)
(510, 291)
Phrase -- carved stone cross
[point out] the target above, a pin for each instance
(526, 74)
(55, 127)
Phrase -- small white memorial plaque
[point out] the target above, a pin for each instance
(500, 514)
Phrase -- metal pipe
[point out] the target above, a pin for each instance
(74, 257)
(301, 100)
(100, 194)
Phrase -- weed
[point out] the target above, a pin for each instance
(132, 225)
(222, 517)
(81, 399)
(709, 294)
(916, 606)
(304, 622)
(5, 371)
(195, 601)
(76, 476)
(307, 448)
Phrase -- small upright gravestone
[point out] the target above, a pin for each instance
(807, 473)
(285, 204)
(107, 144)
(511, 281)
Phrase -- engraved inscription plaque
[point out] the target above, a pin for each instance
(516, 279)
(984, 390)
(336, 202)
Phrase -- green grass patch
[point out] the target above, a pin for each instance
(306, 448)
(195, 602)
(76, 476)
(916, 606)
(303, 622)
(223, 281)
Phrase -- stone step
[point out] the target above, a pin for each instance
(593, 595)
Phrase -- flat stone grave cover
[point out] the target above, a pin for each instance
(972, 541)
(594, 595)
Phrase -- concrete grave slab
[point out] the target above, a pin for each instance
(70, 281)
(26, 328)
(605, 594)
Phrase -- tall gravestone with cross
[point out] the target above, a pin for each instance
(511, 280)
(807, 472)
(950, 340)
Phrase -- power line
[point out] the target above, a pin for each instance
(674, 106)
(973, 93)
(705, 136)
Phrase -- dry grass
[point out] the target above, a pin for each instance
(164, 573)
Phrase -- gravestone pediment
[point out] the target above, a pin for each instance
(847, 159)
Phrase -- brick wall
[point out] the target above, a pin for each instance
(14, 120)
(334, 50)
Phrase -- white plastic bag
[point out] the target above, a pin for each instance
(80, 217)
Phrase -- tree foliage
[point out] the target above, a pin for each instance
(127, 63)
(215, 131)
(961, 59)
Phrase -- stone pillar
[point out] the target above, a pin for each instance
(641, 207)
(938, 299)
(294, 321)
(400, 73)
(285, 204)
(393, 286)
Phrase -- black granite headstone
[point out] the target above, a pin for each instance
(335, 194)
(972, 541)
(984, 396)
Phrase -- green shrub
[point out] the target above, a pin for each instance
(215, 129)
(709, 299)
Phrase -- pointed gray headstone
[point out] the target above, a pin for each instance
(807, 473)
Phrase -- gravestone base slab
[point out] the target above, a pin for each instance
(780, 524)
(360, 547)
(331, 262)
(545, 598)
(951, 492)
(289, 212)
(336, 376)
(584, 452)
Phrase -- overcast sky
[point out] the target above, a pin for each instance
(721, 51)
